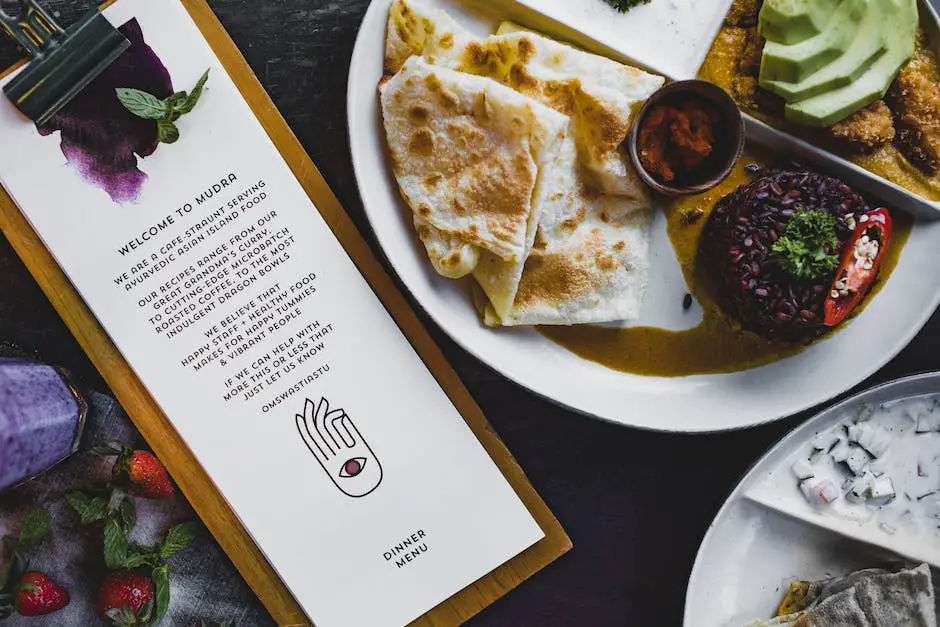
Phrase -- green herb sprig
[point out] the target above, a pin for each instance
(166, 112)
(35, 529)
(807, 248)
(625, 5)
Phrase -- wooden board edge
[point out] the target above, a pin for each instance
(159, 433)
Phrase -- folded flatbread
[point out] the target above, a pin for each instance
(467, 153)
(599, 94)
(868, 598)
(592, 257)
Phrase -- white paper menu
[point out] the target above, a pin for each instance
(225, 290)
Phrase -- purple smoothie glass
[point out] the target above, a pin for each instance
(41, 419)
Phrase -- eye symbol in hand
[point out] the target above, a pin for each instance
(353, 467)
(333, 439)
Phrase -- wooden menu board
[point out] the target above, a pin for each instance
(156, 428)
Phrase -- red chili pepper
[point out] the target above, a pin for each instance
(857, 273)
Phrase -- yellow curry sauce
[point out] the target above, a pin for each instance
(717, 344)
(720, 67)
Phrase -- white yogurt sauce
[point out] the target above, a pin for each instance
(670, 37)
(880, 468)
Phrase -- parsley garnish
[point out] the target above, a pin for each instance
(166, 112)
(808, 245)
(625, 5)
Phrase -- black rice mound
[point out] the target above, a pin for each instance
(736, 245)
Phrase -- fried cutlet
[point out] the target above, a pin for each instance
(866, 129)
(915, 98)
(751, 55)
(750, 97)
(743, 13)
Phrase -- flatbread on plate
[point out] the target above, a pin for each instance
(590, 259)
(599, 94)
(467, 153)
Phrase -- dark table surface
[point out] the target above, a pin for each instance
(635, 504)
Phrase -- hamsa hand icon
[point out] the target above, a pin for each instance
(335, 442)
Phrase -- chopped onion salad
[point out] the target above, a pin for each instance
(880, 466)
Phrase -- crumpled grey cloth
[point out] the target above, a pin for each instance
(203, 582)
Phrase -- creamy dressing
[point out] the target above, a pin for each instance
(879, 468)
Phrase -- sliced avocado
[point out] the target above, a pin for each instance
(797, 62)
(870, 43)
(828, 108)
(792, 21)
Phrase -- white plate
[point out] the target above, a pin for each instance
(690, 404)
(751, 553)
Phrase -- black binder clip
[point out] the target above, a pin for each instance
(63, 61)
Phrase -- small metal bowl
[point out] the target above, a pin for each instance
(729, 142)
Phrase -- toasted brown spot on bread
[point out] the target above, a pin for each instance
(418, 114)
(422, 143)
(552, 278)
(573, 222)
(605, 262)
(526, 50)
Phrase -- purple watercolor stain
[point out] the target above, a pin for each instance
(100, 138)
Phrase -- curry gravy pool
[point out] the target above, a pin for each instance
(717, 345)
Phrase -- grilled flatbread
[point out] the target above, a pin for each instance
(468, 153)
(416, 30)
(599, 94)
(875, 598)
(590, 259)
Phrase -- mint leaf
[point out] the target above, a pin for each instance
(625, 5)
(105, 450)
(167, 131)
(176, 99)
(145, 613)
(142, 104)
(178, 538)
(89, 509)
(165, 112)
(122, 616)
(128, 515)
(115, 545)
(35, 528)
(190, 103)
(161, 591)
(138, 556)
(14, 571)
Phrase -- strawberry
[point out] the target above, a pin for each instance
(39, 595)
(148, 477)
(125, 598)
(29, 592)
(139, 471)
